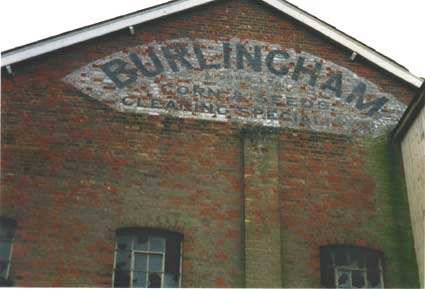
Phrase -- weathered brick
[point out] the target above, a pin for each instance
(74, 170)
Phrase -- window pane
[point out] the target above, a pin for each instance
(372, 261)
(7, 231)
(172, 251)
(341, 257)
(139, 279)
(121, 279)
(327, 268)
(140, 262)
(141, 243)
(155, 263)
(374, 284)
(124, 242)
(344, 279)
(328, 277)
(5, 248)
(171, 280)
(123, 260)
(357, 259)
(358, 279)
(373, 272)
(157, 244)
(373, 279)
(3, 268)
(154, 280)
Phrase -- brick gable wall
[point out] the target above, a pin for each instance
(247, 200)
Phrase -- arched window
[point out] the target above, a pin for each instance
(149, 258)
(7, 236)
(345, 266)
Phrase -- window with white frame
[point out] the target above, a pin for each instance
(350, 267)
(7, 236)
(147, 258)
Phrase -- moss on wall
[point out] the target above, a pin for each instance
(383, 163)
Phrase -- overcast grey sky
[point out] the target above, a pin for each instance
(393, 27)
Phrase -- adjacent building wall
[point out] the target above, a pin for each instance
(413, 150)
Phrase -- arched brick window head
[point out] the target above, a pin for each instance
(147, 258)
(345, 266)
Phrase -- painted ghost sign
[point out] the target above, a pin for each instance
(239, 81)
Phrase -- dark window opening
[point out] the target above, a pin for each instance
(147, 258)
(7, 236)
(344, 266)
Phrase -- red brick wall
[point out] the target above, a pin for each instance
(73, 171)
(263, 246)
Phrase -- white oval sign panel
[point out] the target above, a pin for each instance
(240, 81)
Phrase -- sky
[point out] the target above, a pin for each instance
(392, 27)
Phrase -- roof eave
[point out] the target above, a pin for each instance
(68, 39)
(97, 30)
(409, 115)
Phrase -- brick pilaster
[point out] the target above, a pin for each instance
(262, 216)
